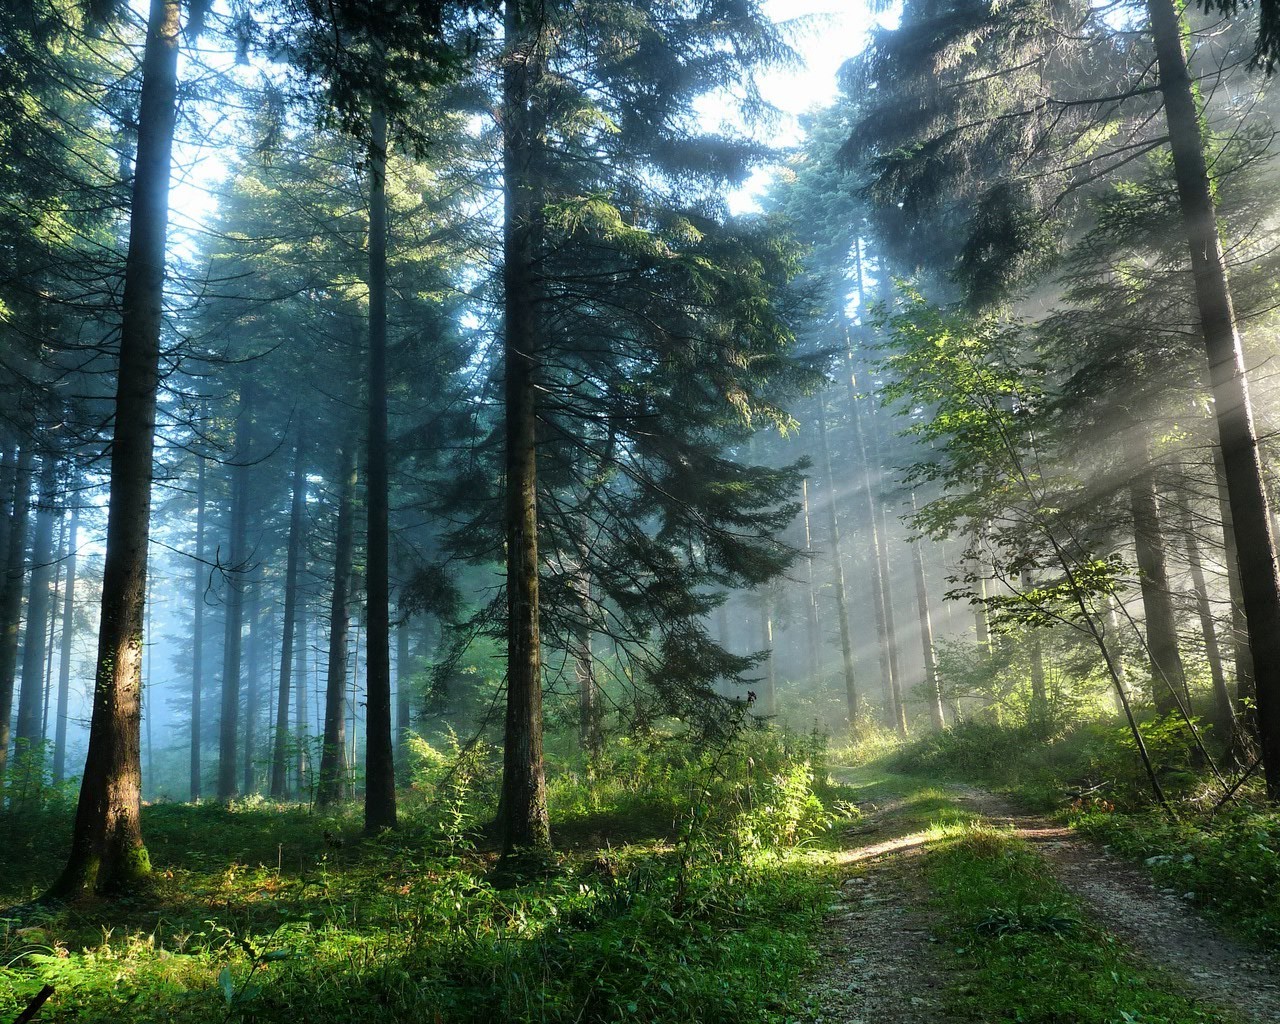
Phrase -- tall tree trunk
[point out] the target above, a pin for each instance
(107, 852)
(39, 601)
(1233, 407)
(879, 584)
(54, 606)
(404, 709)
(331, 787)
(812, 625)
(303, 722)
(1224, 712)
(933, 692)
(64, 665)
(197, 636)
(1116, 656)
(1243, 654)
(11, 596)
(1038, 714)
(280, 748)
(837, 571)
(584, 667)
(228, 723)
(770, 701)
(1168, 682)
(253, 687)
(379, 756)
(525, 822)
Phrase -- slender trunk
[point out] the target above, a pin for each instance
(404, 710)
(1121, 689)
(303, 768)
(1233, 408)
(837, 566)
(584, 669)
(331, 786)
(253, 688)
(879, 585)
(379, 756)
(933, 693)
(280, 748)
(1038, 713)
(11, 597)
(1243, 654)
(886, 576)
(39, 601)
(228, 723)
(64, 664)
(525, 823)
(770, 701)
(1168, 682)
(812, 625)
(1224, 714)
(197, 636)
(107, 851)
(55, 605)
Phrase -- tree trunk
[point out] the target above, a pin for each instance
(1116, 658)
(879, 585)
(1239, 623)
(64, 665)
(39, 601)
(331, 787)
(770, 701)
(253, 687)
(228, 723)
(525, 823)
(303, 722)
(54, 607)
(1168, 682)
(812, 625)
(1038, 713)
(197, 636)
(1224, 713)
(933, 693)
(404, 709)
(280, 747)
(379, 756)
(837, 572)
(1233, 407)
(107, 852)
(584, 668)
(11, 596)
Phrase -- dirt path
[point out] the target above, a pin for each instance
(1155, 922)
(879, 965)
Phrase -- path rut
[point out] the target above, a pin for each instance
(880, 967)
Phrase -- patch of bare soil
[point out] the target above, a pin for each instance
(878, 963)
(1157, 923)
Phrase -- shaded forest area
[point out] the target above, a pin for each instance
(491, 530)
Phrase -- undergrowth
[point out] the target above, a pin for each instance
(691, 901)
(1026, 951)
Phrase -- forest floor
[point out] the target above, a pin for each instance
(957, 906)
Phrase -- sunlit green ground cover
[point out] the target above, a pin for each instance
(691, 884)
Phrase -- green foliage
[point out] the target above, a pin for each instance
(266, 912)
(1026, 949)
(1227, 864)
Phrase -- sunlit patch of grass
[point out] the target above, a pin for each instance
(268, 913)
(1025, 947)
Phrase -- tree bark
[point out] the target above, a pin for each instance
(1260, 582)
(280, 746)
(933, 693)
(379, 756)
(64, 665)
(39, 601)
(1239, 623)
(1038, 713)
(253, 687)
(1168, 681)
(11, 596)
(1224, 712)
(812, 625)
(525, 822)
(228, 723)
(837, 572)
(303, 722)
(331, 786)
(404, 709)
(107, 852)
(197, 636)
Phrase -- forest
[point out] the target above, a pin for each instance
(682, 511)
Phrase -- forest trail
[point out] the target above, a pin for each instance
(884, 963)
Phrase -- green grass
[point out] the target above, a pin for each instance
(1024, 946)
(256, 916)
